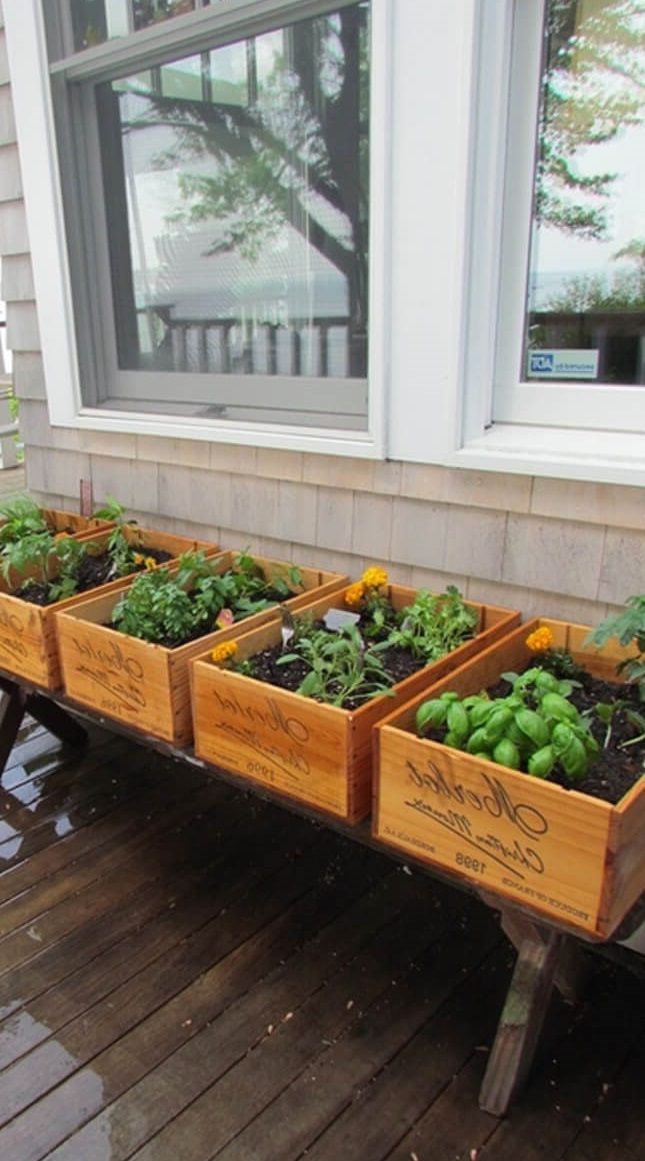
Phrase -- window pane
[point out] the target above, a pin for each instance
(586, 294)
(237, 198)
(95, 21)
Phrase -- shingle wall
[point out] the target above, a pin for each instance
(542, 545)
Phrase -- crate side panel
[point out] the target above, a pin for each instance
(28, 642)
(528, 840)
(283, 741)
(116, 675)
(627, 855)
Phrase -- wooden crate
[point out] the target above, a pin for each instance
(80, 527)
(564, 854)
(316, 754)
(145, 685)
(28, 643)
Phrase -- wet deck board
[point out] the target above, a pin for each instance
(187, 972)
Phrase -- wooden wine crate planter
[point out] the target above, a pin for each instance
(559, 852)
(316, 754)
(28, 644)
(146, 685)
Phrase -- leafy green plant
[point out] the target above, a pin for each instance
(165, 606)
(628, 627)
(45, 560)
(21, 517)
(341, 667)
(434, 625)
(608, 711)
(124, 541)
(534, 728)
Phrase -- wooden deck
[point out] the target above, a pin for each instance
(187, 972)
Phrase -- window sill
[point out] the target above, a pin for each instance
(564, 453)
(362, 445)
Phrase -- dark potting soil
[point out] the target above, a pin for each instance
(94, 570)
(617, 767)
(399, 664)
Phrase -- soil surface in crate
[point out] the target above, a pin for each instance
(94, 570)
(265, 666)
(618, 766)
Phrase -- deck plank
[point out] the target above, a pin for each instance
(188, 972)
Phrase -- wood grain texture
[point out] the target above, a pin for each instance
(28, 639)
(145, 685)
(317, 754)
(569, 856)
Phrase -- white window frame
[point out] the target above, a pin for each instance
(52, 276)
(439, 239)
(582, 431)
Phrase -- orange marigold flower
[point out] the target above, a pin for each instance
(374, 577)
(540, 640)
(223, 653)
(138, 558)
(354, 595)
(61, 536)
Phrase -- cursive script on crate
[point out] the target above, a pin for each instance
(268, 743)
(113, 670)
(465, 812)
(272, 718)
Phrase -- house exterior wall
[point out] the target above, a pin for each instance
(559, 548)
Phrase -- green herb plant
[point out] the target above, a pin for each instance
(161, 605)
(628, 627)
(349, 665)
(341, 667)
(434, 624)
(534, 728)
(21, 517)
(608, 711)
(45, 560)
(124, 541)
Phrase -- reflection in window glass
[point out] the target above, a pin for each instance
(237, 198)
(95, 21)
(586, 295)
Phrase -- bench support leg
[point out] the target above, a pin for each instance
(520, 1023)
(16, 702)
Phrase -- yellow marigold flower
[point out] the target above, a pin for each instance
(150, 563)
(138, 558)
(222, 653)
(354, 595)
(374, 577)
(540, 640)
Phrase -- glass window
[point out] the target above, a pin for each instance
(586, 288)
(95, 21)
(236, 197)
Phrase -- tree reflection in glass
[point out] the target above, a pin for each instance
(237, 200)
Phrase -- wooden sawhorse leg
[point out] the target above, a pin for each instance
(546, 958)
(16, 702)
